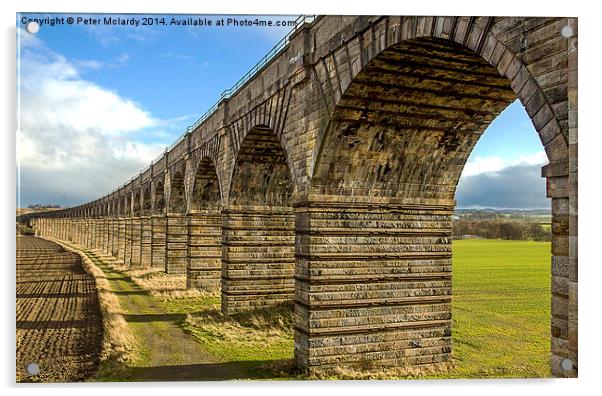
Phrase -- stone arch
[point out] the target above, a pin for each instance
(383, 183)
(410, 118)
(261, 174)
(258, 226)
(146, 201)
(268, 114)
(159, 197)
(136, 203)
(206, 192)
(125, 207)
(114, 207)
(177, 193)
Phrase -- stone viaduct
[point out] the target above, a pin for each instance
(327, 178)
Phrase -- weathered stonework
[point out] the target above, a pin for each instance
(158, 241)
(145, 242)
(127, 254)
(332, 173)
(258, 257)
(204, 250)
(176, 244)
(136, 235)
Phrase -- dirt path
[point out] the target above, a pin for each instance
(59, 325)
(167, 353)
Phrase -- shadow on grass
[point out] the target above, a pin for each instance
(131, 293)
(239, 370)
(147, 318)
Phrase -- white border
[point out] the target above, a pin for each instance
(589, 229)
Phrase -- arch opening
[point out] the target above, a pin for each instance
(159, 198)
(375, 236)
(177, 194)
(136, 204)
(408, 121)
(258, 227)
(146, 202)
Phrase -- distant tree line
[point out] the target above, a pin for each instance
(501, 229)
(44, 206)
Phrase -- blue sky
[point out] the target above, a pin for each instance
(162, 78)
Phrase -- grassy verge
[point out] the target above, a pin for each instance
(261, 340)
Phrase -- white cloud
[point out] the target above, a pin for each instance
(111, 35)
(492, 164)
(89, 64)
(76, 140)
(94, 64)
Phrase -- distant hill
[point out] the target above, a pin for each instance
(531, 212)
(539, 215)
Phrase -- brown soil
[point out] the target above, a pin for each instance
(59, 325)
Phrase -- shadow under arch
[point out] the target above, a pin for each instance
(159, 198)
(377, 258)
(258, 226)
(205, 229)
(177, 194)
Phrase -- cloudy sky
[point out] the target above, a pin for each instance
(98, 103)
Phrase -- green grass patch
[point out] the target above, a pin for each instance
(501, 308)
(262, 341)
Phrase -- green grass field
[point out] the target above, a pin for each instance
(501, 308)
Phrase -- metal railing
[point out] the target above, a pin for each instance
(230, 92)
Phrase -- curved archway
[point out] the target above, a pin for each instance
(159, 197)
(146, 202)
(177, 194)
(382, 197)
(136, 203)
(205, 229)
(258, 226)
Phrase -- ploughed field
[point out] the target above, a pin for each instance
(58, 320)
